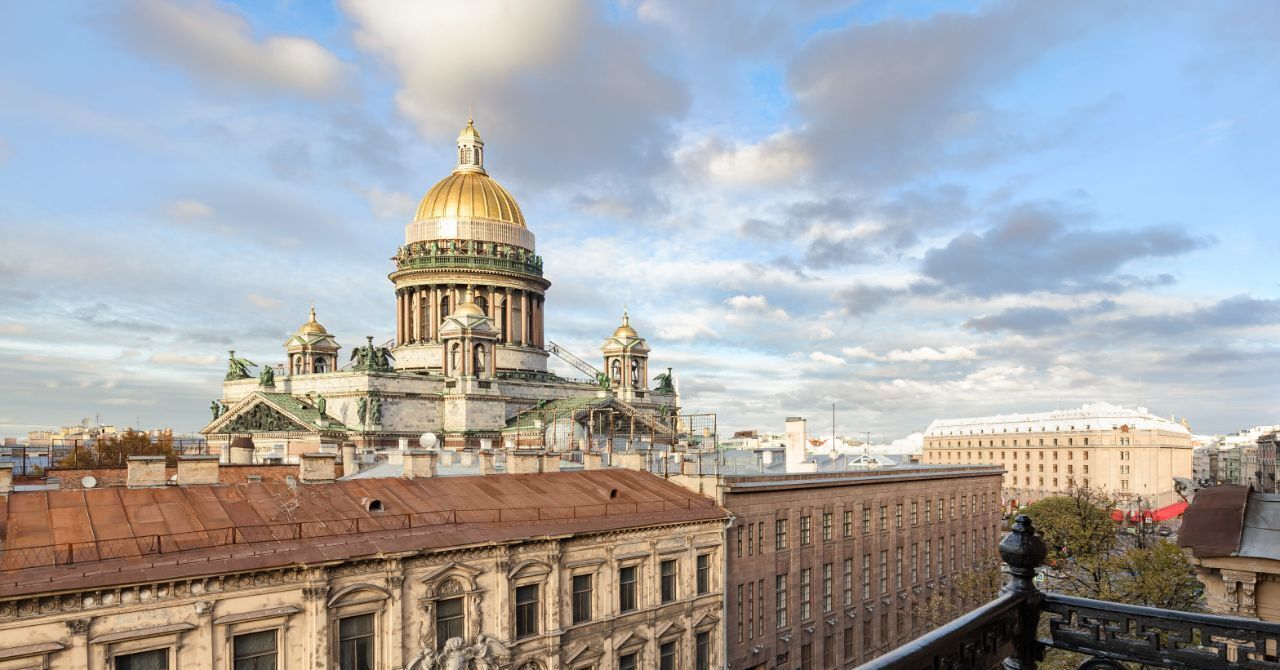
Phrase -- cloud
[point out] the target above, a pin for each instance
(930, 355)
(1021, 319)
(264, 302)
(392, 205)
(183, 360)
(774, 160)
(756, 304)
(549, 81)
(217, 47)
(826, 359)
(893, 97)
(1046, 247)
(188, 210)
(1236, 312)
(13, 328)
(865, 298)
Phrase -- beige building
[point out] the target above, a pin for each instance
(602, 569)
(1128, 453)
(1228, 535)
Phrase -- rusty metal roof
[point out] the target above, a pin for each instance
(56, 540)
(1214, 522)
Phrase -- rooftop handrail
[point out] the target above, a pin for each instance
(1003, 632)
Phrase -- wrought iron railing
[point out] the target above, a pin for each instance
(426, 262)
(1003, 632)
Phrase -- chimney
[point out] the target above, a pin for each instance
(551, 462)
(420, 463)
(241, 450)
(6, 478)
(523, 462)
(317, 468)
(145, 471)
(630, 460)
(198, 469)
(591, 460)
(796, 435)
(349, 466)
(486, 463)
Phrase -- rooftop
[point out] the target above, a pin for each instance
(1092, 416)
(54, 540)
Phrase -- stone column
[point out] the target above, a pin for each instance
(78, 651)
(506, 330)
(399, 320)
(524, 318)
(537, 321)
(434, 321)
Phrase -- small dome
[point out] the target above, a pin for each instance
(468, 308)
(312, 327)
(470, 132)
(625, 331)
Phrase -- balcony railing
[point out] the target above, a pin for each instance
(1003, 633)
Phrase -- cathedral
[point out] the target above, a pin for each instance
(468, 363)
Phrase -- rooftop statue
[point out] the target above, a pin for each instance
(267, 377)
(238, 368)
(371, 358)
(665, 382)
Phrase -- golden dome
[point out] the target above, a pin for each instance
(470, 195)
(470, 132)
(468, 309)
(312, 327)
(625, 331)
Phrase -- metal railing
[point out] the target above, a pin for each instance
(70, 553)
(89, 453)
(469, 262)
(1003, 632)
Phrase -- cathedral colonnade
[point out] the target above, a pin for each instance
(516, 313)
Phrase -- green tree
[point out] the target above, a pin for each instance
(1156, 575)
(1081, 536)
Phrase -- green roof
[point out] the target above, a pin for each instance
(300, 411)
(554, 410)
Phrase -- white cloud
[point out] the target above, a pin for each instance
(774, 160)
(392, 205)
(929, 354)
(757, 304)
(820, 357)
(859, 352)
(189, 360)
(218, 47)
(188, 210)
(264, 302)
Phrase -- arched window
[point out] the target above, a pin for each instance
(482, 303)
(615, 371)
(479, 368)
(635, 371)
(297, 365)
(444, 306)
(455, 359)
(319, 364)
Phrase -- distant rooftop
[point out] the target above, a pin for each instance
(1092, 416)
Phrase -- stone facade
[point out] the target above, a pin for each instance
(1130, 454)
(635, 587)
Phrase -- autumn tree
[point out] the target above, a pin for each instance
(115, 450)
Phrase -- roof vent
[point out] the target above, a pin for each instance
(613, 493)
(253, 479)
(373, 505)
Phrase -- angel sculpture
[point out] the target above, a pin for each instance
(238, 368)
(486, 653)
(267, 377)
(665, 382)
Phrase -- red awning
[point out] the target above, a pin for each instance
(1166, 513)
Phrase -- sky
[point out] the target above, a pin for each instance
(912, 210)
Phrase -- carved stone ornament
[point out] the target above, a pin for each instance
(485, 653)
(204, 607)
(259, 418)
(78, 626)
(315, 592)
(450, 587)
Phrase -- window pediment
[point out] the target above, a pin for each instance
(631, 641)
(356, 594)
(529, 568)
(466, 574)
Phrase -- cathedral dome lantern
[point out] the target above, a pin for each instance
(311, 349)
(626, 360)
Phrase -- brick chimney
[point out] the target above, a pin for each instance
(145, 471)
(523, 462)
(241, 450)
(551, 462)
(592, 460)
(317, 468)
(486, 463)
(198, 469)
(420, 463)
(349, 458)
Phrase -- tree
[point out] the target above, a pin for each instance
(1156, 576)
(1081, 536)
(115, 450)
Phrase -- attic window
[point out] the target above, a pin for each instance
(613, 493)
(374, 505)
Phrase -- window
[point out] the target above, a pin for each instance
(806, 574)
(739, 541)
(702, 651)
(526, 610)
(627, 589)
(804, 529)
(826, 526)
(953, 507)
(628, 661)
(827, 604)
(915, 513)
(928, 565)
(928, 517)
(449, 621)
(739, 612)
(866, 520)
(848, 523)
(760, 537)
(667, 656)
(355, 644)
(780, 534)
(780, 600)
(156, 659)
(806, 656)
(848, 644)
(848, 581)
(884, 571)
(751, 541)
(751, 609)
(704, 573)
(760, 601)
(668, 585)
(897, 563)
(866, 575)
(884, 626)
(866, 636)
(828, 651)
(581, 598)
(884, 517)
(897, 515)
(915, 562)
(253, 651)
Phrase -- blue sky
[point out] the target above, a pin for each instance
(914, 210)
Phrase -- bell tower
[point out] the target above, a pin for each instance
(626, 361)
